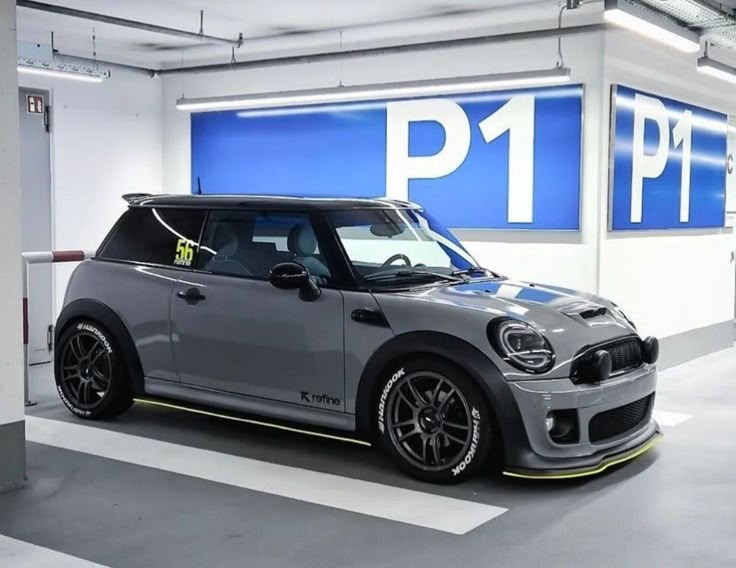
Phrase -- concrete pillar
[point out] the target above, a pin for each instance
(12, 424)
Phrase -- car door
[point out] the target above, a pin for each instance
(233, 331)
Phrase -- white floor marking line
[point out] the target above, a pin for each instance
(20, 554)
(413, 507)
(665, 418)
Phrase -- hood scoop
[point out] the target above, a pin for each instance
(587, 313)
(593, 313)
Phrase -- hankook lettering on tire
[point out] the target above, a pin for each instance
(384, 395)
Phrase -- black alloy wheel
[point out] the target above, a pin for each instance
(92, 378)
(434, 421)
(429, 420)
(86, 370)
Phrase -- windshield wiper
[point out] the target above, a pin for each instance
(474, 270)
(378, 276)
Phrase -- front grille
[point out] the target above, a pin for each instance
(618, 421)
(625, 355)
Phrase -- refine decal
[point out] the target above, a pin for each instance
(312, 398)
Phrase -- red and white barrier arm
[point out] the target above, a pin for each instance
(48, 256)
(42, 257)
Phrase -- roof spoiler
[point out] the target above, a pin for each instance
(133, 197)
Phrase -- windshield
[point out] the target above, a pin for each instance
(387, 245)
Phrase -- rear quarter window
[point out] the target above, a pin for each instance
(150, 235)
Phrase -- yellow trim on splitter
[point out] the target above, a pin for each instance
(250, 421)
(588, 472)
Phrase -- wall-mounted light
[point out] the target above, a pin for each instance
(716, 69)
(644, 22)
(61, 71)
(457, 85)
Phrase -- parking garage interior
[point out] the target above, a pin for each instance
(577, 145)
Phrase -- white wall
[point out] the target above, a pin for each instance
(672, 281)
(106, 141)
(567, 259)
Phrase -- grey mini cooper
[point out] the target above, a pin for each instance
(361, 315)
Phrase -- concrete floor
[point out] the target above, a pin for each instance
(672, 507)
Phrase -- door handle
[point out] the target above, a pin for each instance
(191, 296)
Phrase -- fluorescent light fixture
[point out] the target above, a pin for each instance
(61, 71)
(457, 85)
(716, 69)
(644, 22)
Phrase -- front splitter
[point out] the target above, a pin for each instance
(606, 463)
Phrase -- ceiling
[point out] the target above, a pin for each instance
(267, 25)
(273, 27)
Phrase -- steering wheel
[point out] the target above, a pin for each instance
(389, 261)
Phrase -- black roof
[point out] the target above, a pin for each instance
(286, 203)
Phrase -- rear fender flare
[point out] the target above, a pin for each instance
(105, 316)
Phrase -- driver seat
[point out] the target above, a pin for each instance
(226, 244)
(302, 242)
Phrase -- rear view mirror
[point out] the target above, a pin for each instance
(387, 229)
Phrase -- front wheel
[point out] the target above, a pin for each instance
(434, 422)
(91, 377)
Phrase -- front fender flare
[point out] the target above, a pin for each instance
(463, 354)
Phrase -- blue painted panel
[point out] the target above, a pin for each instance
(341, 150)
(661, 185)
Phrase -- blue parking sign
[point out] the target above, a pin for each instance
(669, 163)
(499, 160)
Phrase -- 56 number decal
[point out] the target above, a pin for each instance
(184, 253)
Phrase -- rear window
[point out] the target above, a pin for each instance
(156, 236)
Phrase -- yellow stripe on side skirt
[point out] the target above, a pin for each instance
(588, 472)
(250, 421)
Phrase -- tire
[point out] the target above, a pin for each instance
(91, 377)
(434, 421)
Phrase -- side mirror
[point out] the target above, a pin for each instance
(294, 276)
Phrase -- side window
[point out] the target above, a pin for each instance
(250, 243)
(156, 236)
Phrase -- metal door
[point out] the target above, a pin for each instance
(35, 179)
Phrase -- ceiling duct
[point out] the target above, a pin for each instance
(715, 23)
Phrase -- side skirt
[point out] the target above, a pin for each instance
(250, 405)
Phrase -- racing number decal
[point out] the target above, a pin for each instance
(184, 253)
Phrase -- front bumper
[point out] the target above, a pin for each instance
(537, 455)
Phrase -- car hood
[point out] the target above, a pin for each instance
(547, 307)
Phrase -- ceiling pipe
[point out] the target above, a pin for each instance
(338, 55)
(102, 63)
(378, 51)
(74, 13)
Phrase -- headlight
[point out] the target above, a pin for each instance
(522, 346)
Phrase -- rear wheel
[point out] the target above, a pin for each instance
(91, 377)
(434, 421)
